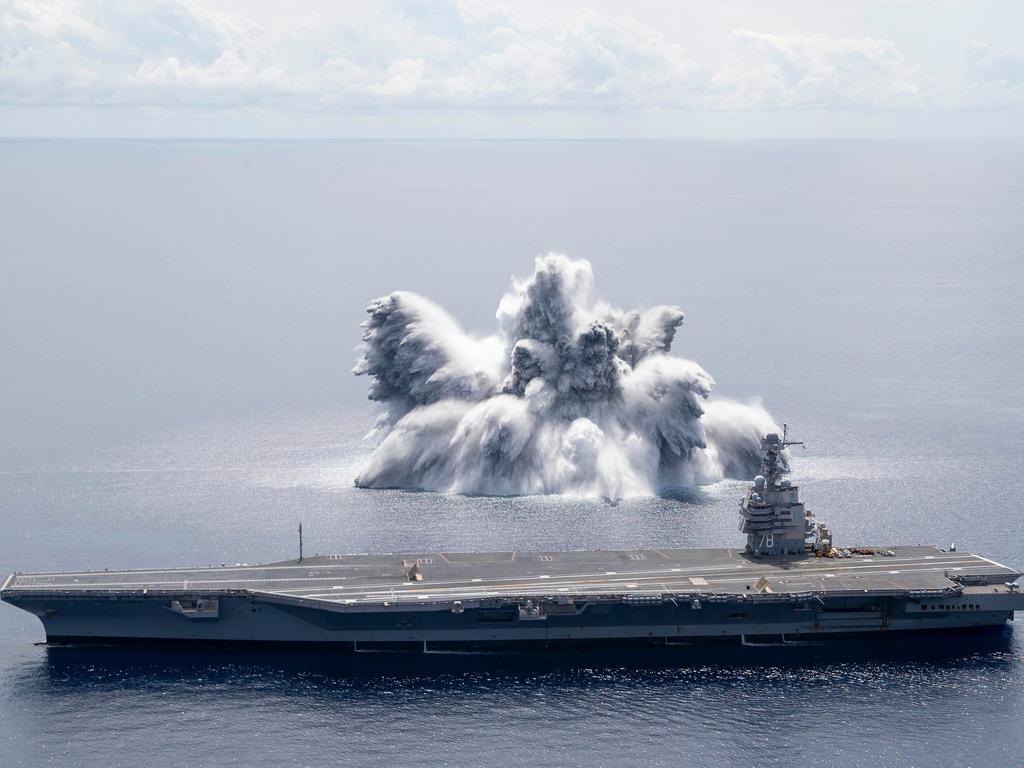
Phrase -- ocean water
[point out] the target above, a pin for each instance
(177, 324)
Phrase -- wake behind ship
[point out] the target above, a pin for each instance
(789, 581)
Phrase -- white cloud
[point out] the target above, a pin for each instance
(818, 71)
(447, 54)
(986, 64)
(995, 77)
(165, 52)
(403, 77)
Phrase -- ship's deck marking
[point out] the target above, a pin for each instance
(396, 558)
(765, 569)
(993, 562)
(45, 581)
(585, 586)
(375, 578)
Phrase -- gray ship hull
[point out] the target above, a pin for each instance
(440, 601)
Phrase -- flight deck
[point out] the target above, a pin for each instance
(460, 576)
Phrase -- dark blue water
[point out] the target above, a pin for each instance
(176, 325)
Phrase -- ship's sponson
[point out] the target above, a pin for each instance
(525, 597)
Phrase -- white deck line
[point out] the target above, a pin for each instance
(998, 565)
(752, 569)
(7, 581)
(811, 564)
(400, 556)
(208, 569)
(626, 576)
(548, 585)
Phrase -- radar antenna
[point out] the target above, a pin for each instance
(773, 466)
(787, 442)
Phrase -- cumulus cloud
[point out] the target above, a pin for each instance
(446, 53)
(818, 71)
(986, 64)
(459, 56)
(995, 77)
(166, 52)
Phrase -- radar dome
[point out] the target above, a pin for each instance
(759, 482)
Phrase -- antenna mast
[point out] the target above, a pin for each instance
(300, 541)
(785, 442)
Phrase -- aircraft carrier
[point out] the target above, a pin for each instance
(789, 583)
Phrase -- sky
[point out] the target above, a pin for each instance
(517, 70)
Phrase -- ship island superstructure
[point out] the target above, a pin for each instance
(790, 581)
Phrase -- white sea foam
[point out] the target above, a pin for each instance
(570, 396)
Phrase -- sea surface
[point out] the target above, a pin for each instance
(177, 327)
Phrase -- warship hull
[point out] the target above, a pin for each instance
(440, 601)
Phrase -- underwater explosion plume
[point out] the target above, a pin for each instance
(571, 396)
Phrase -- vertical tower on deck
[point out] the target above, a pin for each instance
(771, 514)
